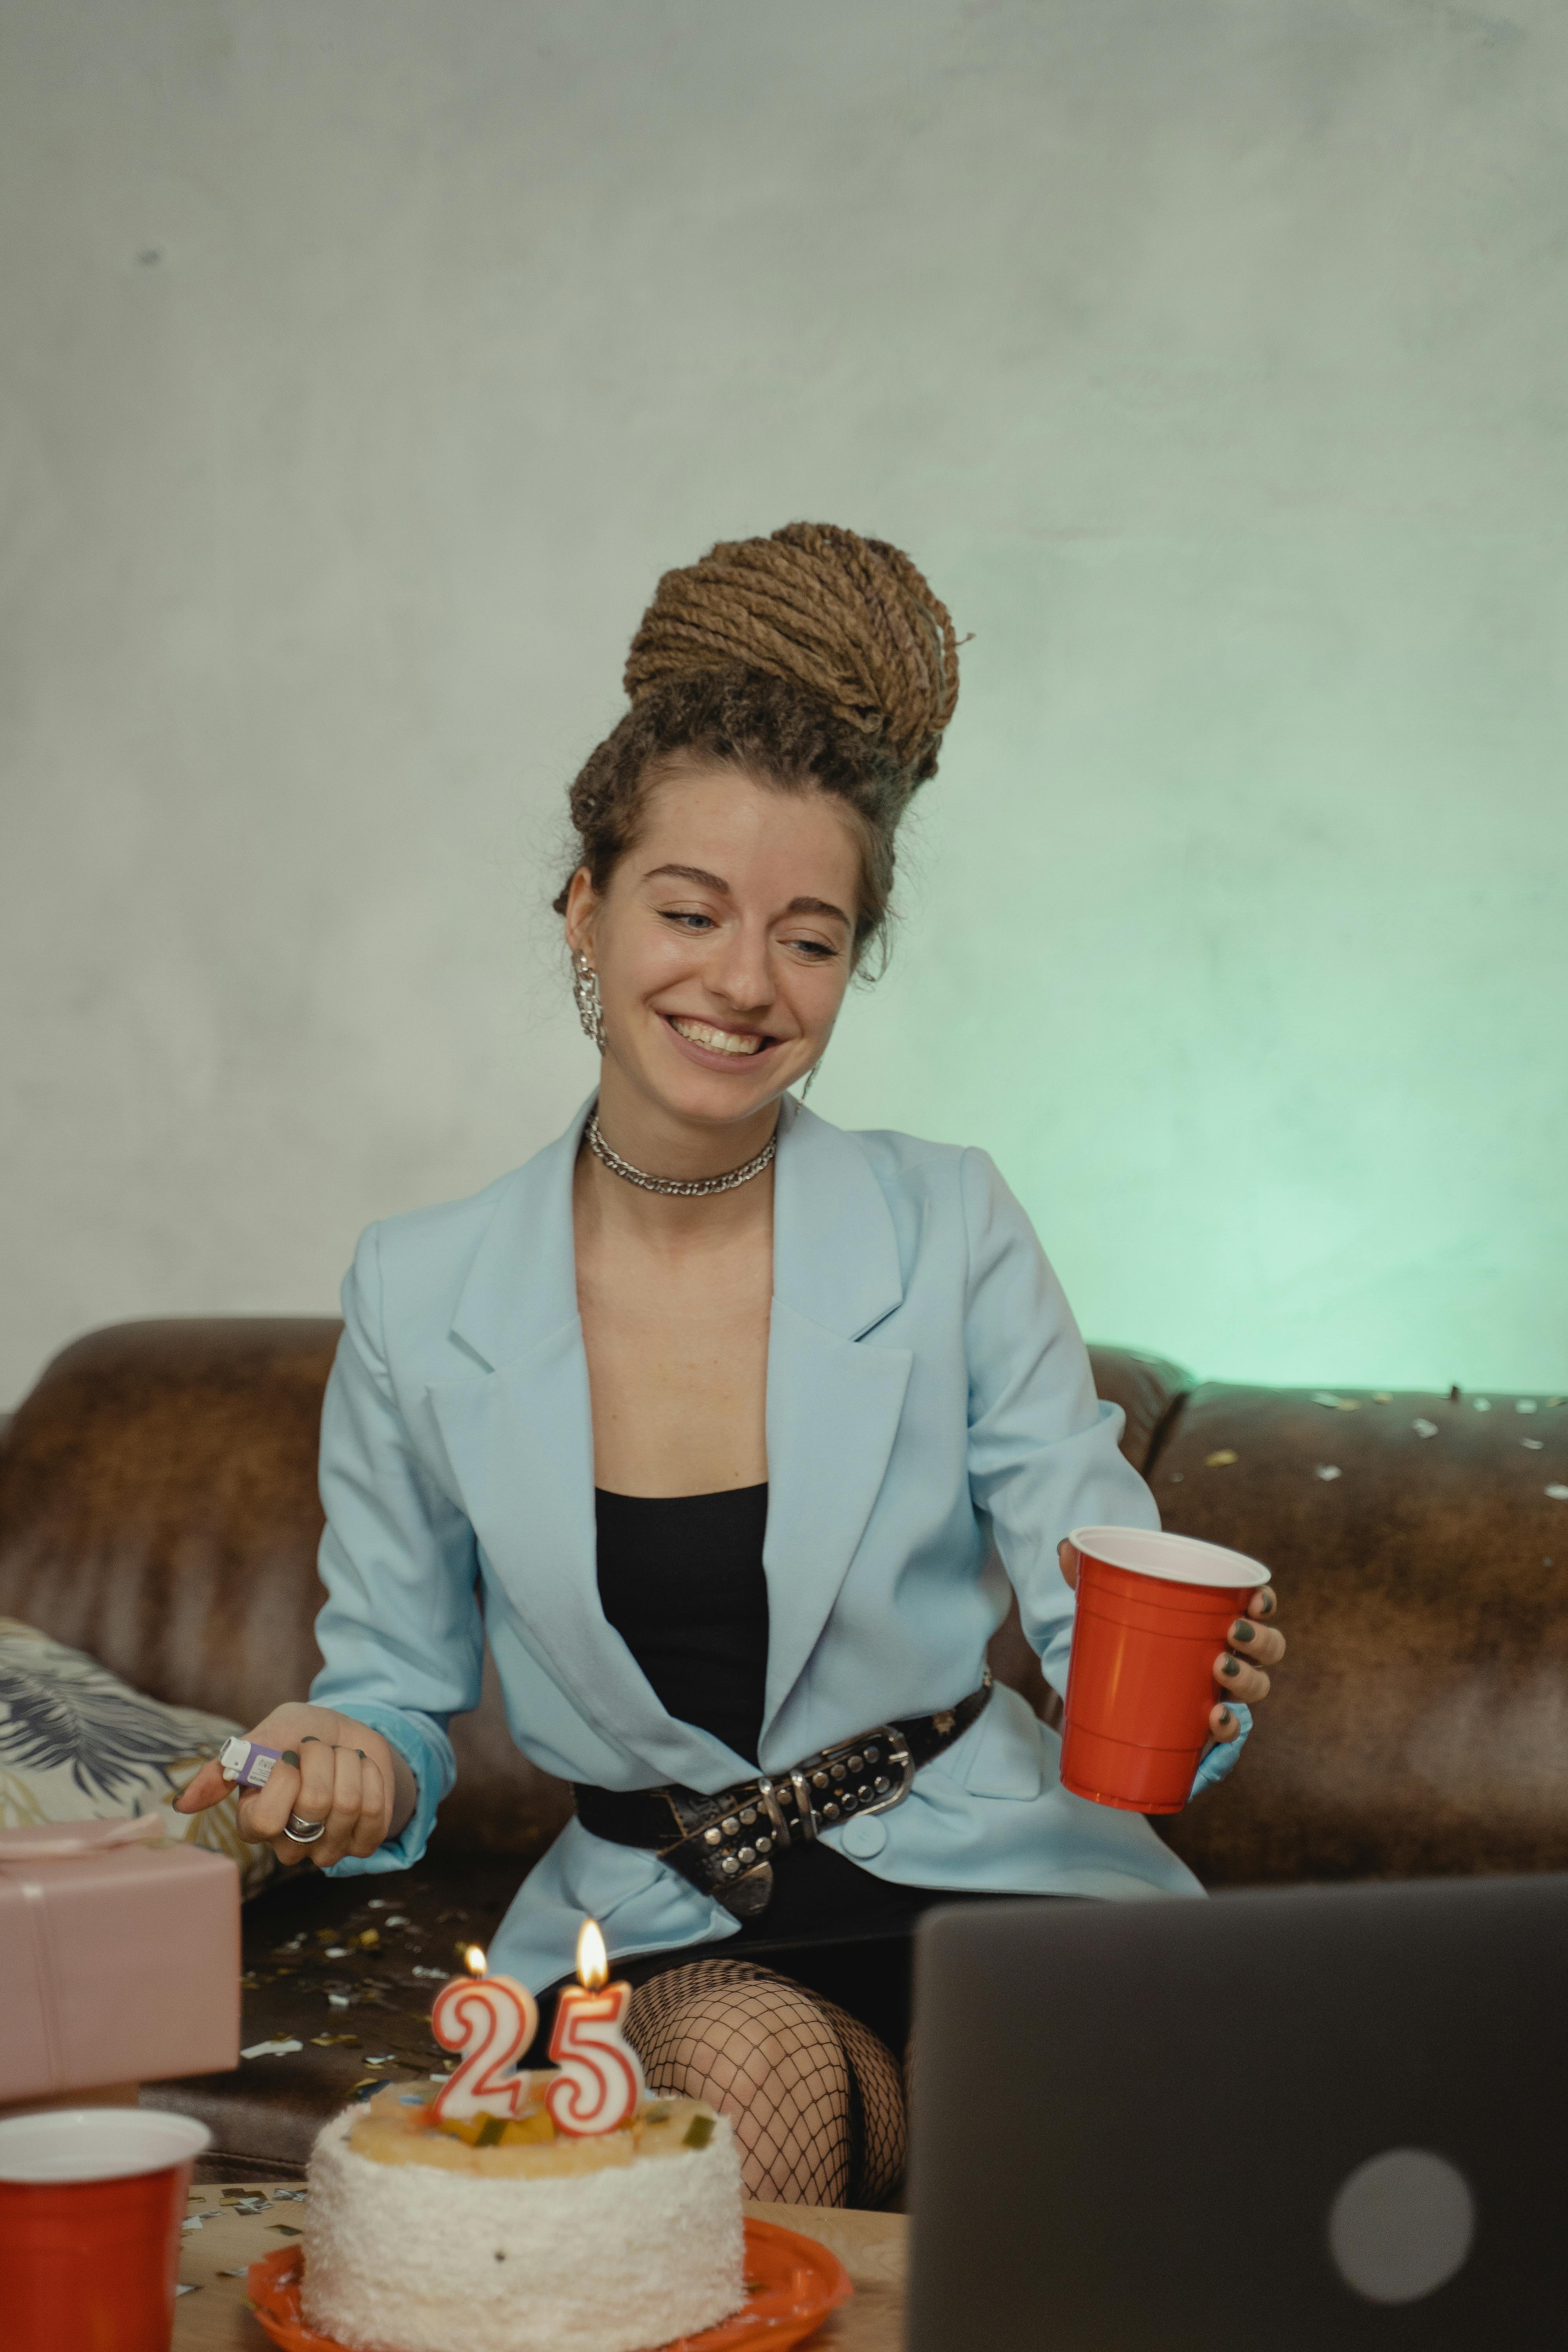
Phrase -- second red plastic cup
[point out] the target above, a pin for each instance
(91, 2201)
(1153, 1611)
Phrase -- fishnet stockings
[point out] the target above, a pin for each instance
(816, 2098)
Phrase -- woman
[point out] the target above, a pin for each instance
(741, 1424)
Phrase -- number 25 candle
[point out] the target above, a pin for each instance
(601, 2081)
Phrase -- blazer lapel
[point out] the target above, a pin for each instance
(519, 1437)
(833, 1398)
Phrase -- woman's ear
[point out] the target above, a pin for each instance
(582, 899)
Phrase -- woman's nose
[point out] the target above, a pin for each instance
(738, 970)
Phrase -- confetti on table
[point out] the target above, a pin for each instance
(397, 1920)
(1424, 1428)
(193, 2221)
(1220, 1461)
(340, 2001)
(183, 2289)
(289, 2196)
(1481, 1404)
(1335, 1403)
(246, 2204)
(242, 2272)
(389, 2058)
(1326, 1470)
(439, 1974)
(1533, 1444)
(286, 2229)
(1383, 1396)
(1558, 1494)
(376, 1903)
(334, 2040)
(271, 2049)
(1524, 1404)
(336, 1952)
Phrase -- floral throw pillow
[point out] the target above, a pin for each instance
(77, 1744)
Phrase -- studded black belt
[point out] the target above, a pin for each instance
(725, 1843)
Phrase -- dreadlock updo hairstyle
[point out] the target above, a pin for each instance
(814, 658)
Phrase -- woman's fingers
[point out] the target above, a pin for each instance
(1225, 1724)
(375, 1811)
(1238, 1681)
(318, 1779)
(207, 1787)
(1067, 1559)
(343, 1812)
(263, 1810)
(1260, 1645)
(1265, 1602)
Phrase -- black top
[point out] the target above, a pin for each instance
(681, 1579)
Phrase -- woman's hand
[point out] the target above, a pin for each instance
(1253, 1645)
(333, 1770)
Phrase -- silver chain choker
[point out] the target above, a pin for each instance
(691, 1188)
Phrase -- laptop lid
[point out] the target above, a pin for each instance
(1318, 2116)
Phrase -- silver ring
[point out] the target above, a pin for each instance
(300, 1832)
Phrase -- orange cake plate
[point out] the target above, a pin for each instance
(792, 2284)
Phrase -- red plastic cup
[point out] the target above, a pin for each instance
(91, 2201)
(1153, 1611)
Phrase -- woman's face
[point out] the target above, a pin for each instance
(723, 942)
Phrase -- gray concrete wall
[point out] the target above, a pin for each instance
(363, 363)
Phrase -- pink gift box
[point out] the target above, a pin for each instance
(118, 1958)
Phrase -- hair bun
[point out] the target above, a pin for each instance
(850, 619)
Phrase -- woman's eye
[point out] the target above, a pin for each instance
(815, 951)
(688, 920)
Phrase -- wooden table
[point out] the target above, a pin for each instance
(214, 2317)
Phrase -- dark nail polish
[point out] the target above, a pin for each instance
(290, 1756)
(1225, 1719)
(1232, 1667)
(1241, 1633)
(1267, 1602)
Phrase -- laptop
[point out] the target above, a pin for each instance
(1322, 2116)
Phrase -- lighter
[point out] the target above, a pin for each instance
(244, 1761)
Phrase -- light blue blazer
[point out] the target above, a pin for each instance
(933, 1431)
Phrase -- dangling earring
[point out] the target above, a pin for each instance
(585, 989)
(810, 1075)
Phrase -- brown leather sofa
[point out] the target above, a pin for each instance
(158, 1509)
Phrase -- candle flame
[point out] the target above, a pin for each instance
(592, 1960)
(474, 1960)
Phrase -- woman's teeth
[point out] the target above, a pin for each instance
(718, 1041)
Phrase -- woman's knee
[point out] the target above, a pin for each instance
(748, 2036)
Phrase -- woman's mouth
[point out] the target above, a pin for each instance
(716, 1047)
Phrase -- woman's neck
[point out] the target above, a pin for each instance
(659, 1144)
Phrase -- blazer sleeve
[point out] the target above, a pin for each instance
(401, 1633)
(1043, 1448)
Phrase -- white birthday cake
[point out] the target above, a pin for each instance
(500, 2236)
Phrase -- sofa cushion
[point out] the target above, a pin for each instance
(77, 1744)
(1416, 1726)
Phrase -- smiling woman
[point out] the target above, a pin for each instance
(742, 1423)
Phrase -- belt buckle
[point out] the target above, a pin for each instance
(850, 1779)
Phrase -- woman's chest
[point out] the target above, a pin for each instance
(678, 1372)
